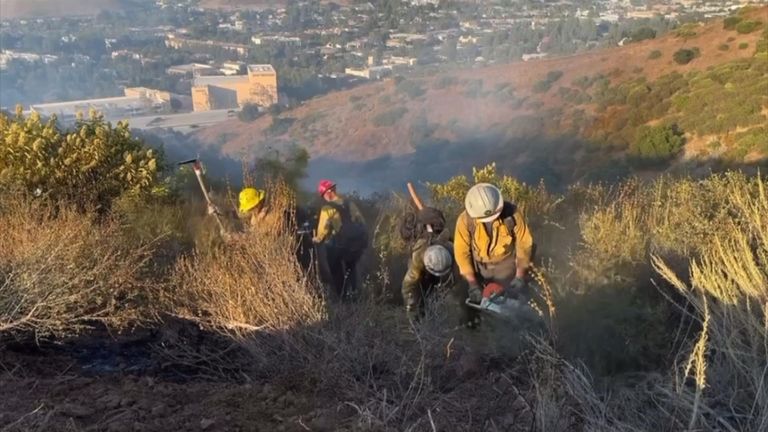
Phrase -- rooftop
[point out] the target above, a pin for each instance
(218, 80)
(255, 68)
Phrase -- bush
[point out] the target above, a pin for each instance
(249, 113)
(473, 88)
(61, 273)
(684, 56)
(746, 27)
(91, 165)
(553, 76)
(743, 45)
(730, 22)
(542, 86)
(643, 33)
(654, 145)
(412, 88)
(687, 31)
(389, 117)
(723, 47)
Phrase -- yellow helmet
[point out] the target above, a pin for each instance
(250, 198)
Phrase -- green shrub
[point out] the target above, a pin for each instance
(687, 31)
(730, 39)
(553, 76)
(655, 145)
(684, 56)
(389, 117)
(762, 46)
(412, 88)
(743, 45)
(731, 22)
(655, 54)
(542, 86)
(91, 165)
(643, 33)
(723, 47)
(249, 113)
(746, 27)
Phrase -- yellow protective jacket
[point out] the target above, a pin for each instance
(499, 246)
(329, 222)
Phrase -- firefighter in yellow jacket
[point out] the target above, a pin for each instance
(341, 239)
(492, 243)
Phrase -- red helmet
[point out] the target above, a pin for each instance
(324, 186)
(492, 289)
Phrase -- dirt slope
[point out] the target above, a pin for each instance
(342, 126)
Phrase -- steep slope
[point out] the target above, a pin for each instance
(566, 100)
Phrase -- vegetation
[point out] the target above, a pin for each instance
(412, 88)
(544, 85)
(249, 113)
(91, 165)
(731, 22)
(389, 117)
(723, 47)
(746, 27)
(743, 45)
(685, 55)
(657, 144)
(655, 54)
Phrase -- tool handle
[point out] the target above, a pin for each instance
(414, 196)
(199, 174)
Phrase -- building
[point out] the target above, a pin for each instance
(258, 86)
(176, 42)
(191, 69)
(137, 101)
(372, 73)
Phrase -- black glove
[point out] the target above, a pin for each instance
(516, 289)
(475, 295)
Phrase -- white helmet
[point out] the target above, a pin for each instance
(484, 202)
(438, 260)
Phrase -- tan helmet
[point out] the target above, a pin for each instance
(484, 202)
(438, 260)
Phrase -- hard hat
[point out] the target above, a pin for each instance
(250, 198)
(484, 202)
(438, 260)
(492, 289)
(324, 186)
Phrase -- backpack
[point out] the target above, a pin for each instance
(353, 235)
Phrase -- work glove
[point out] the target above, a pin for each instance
(475, 294)
(213, 210)
(516, 288)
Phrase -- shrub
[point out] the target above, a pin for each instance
(412, 88)
(723, 47)
(687, 31)
(473, 88)
(444, 82)
(656, 144)
(553, 76)
(90, 165)
(746, 27)
(355, 98)
(249, 113)
(730, 22)
(655, 54)
(684, 56)
(61, 272)
(389, 117)
(643, 33)
(542, 86)
(743, 45)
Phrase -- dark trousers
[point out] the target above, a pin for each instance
(338, 271)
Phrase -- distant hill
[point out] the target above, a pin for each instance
(253, 4)
(563, 118)
(10, 9)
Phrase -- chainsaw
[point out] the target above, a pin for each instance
(496, 303)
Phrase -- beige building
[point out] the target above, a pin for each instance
(258, 86)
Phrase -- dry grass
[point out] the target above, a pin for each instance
(60, 271)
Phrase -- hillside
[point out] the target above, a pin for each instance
(10, 9)
(438, 121)
(252, 4)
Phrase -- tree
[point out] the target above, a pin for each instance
(656, 145)
(249, 113)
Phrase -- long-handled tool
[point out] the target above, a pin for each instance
(198, 169)
(417, 201)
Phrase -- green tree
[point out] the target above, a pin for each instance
(656, 145)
